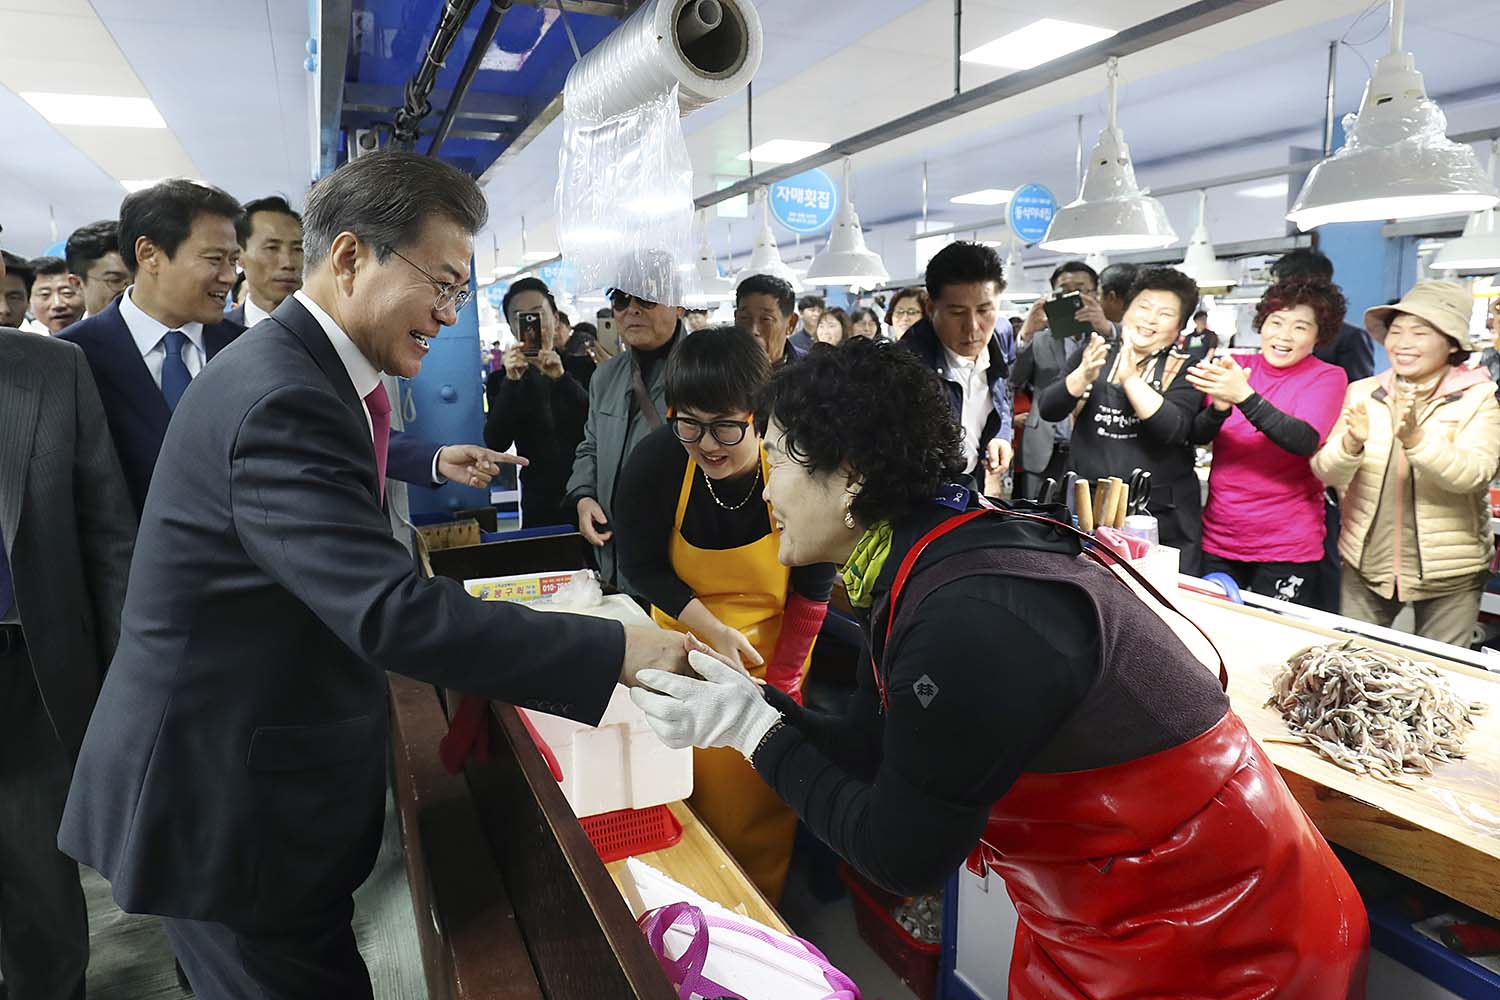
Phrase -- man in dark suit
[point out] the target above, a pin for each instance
(233, 777)
(66, 532)
(270, 235)
(146, 346)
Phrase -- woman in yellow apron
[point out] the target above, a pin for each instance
(698, 542)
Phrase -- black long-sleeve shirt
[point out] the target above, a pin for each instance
(1285, 431)
(1000, 662)
(543, 417)
(646, 507)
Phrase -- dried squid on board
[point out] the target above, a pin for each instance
(1372, 712)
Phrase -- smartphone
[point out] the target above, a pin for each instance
(529, 331)
(609, 334)
(1062, 316)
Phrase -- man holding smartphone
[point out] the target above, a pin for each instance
(1044, 350)
(535, 404)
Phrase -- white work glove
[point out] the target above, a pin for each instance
(724, 709)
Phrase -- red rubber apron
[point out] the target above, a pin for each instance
(746, 588)
(1189, 873)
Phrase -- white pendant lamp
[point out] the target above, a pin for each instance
(847, 260)
(1397, 161)
(766, 258)
(1201, 263)
(1018, 287)
(1478, 249)
(1111, 215)
(1097, 261)
(711, 287)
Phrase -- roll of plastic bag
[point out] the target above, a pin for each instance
(625, 180)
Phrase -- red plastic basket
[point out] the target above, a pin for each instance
(628, 832)
(914, 961)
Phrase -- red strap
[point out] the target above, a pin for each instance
(1090, 549)
(468, 734)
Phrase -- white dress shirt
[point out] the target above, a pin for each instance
(150, 334)
(972, 377)
(253, 313)
(364, 375)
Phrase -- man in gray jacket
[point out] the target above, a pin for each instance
(627, 400)
(66, 531)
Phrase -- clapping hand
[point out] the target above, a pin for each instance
(721, 707)
(1356, 428)
(1222, 379)
(1089, 366)
(1404, 420)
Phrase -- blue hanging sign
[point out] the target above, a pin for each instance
(805, 203)
(495, 293)
(1031, 212)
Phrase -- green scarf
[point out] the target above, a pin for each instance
(865, 564)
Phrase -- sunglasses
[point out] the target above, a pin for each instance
(727, 432)
(620, 301)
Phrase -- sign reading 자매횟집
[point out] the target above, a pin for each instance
(805, 203)
(1030, 213)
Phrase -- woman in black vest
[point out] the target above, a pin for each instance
(1023, 710)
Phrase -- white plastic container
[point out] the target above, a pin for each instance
(621, 764)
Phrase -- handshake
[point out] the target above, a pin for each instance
(691, 695)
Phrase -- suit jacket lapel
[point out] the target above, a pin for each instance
(19, 405)
(292, 315)
(124, 364)
(218, 337)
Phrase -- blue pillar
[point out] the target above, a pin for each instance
(448, 398)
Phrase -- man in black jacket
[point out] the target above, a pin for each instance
(535, 404)
(233, 777)
(1351, 349)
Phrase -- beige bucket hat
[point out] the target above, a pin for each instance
(1447, 305)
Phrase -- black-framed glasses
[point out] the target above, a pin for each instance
(620, 301)
(454, 294)
(727, 432)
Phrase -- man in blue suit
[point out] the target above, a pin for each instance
(178, 237)
(232, 779)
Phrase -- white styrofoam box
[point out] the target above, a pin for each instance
(621, 764)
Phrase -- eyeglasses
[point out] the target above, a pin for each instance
(620, 301)
(727, 432)
(456, 295)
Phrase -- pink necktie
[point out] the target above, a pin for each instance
(379, 405)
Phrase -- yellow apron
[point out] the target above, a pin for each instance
(745, 588)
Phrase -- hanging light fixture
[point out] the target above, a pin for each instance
(1111, 214)
(1478, 249)
(766, 257)
(1018, 287)
(1397, 161)
(1201, 263)
(711, 286)
(1097, 261)
(847, 260)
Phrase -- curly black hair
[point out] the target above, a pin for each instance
(1323, 296)
(873, 407)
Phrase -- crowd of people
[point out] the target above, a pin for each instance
(257, 496)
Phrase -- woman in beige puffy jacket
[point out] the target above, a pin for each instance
(1412, 457)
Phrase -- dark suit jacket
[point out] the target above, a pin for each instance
(68, 523)
(237, 316)
(235, 769)
(138, 414)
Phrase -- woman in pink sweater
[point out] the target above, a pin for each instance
(1264, 524)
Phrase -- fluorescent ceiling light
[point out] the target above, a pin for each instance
(985, 196)
(90, 109)
(784, 150)
(133, 186)
(534, 256)
(1038, 42)
(1276, 190)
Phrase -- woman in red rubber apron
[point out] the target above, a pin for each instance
(1024, 713)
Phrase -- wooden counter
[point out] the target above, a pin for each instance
(701, 863)
(1444, 831)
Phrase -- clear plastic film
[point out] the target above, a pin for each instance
(625, 180)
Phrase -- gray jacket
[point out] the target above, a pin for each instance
(68, 522)
(610, 433)
(1042, 362)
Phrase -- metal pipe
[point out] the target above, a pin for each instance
(477, 51)
(1172, 25)
(958, 44)
(924, 194)
(1333, 66)
(698, 19)
(408, 120)
(749, 128)
(1081, 173)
